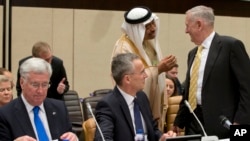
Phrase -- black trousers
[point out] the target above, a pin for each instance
(194, 127)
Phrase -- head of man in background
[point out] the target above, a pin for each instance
(58, 81)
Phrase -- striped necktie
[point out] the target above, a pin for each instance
(39, 125)
(194, 79)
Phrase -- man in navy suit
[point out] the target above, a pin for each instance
(223, 78)
(58, 81)
(17, 117)
(115, 113)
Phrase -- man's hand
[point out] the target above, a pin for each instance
(69, 136)
(61, 86)
(177, 130)
(25, 138)
(166, 63)
(169, 134)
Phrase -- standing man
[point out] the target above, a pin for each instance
(222, 86)
(140, 30)
(32, 116)
(58, 81)
(116, 112)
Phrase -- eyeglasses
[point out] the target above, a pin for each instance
(37, 85)
(140, 73)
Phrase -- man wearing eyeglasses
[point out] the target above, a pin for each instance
(32, 116)
(58, 81)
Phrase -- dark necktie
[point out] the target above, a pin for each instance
(39, 125)
(137, 116)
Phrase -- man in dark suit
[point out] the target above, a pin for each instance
(17, 119)
(58, 81)
(223, 78)
(115, 113)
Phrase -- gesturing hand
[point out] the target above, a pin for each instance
(61, 86)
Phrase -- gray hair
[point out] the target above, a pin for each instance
(121, 65)
(36, 65)
(203, 12)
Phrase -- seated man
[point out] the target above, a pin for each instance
(119, 117)
(20, 119)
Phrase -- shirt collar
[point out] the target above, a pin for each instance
(30, 107)
(128, 98)
(207, 42)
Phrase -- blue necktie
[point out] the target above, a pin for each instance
(39, 125)
(137, 116)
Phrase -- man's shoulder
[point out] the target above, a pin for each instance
(55, 58)
(56, 61)
(24, 59)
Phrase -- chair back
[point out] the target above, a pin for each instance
(73, 105)
(101, 92)
(89, 127)
(92, 100)
(173, 108)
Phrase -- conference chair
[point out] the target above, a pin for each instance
(101, 92)
(73, 105)
(89, 127)
(93, 99)
(173, 107)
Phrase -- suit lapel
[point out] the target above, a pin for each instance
(125, 109)
(22, 116)
(51, 117)
(211, 58)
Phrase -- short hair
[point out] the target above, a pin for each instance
(122, 64)
(2, 70)
(36, 65)
(204, 12)
(4, 78)
(40, 47)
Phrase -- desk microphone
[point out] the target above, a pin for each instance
(205, 137)
(225, 122)
(97, 125)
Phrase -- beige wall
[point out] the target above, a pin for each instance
(84, 39)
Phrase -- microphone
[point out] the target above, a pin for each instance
(205, 138)
(97, 125)
(225, 122)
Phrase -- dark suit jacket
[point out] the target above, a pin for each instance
(113, 116)
(57, 75)
(225, 86)
(15, 121)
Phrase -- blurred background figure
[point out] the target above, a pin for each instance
(170, 91)
(6, 88)
(173, 73)
(58, 82)
(8, 74)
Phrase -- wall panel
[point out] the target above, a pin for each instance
(84, 39)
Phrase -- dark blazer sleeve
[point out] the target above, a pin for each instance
(58, 74)
(183, 116)
(18, 87)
